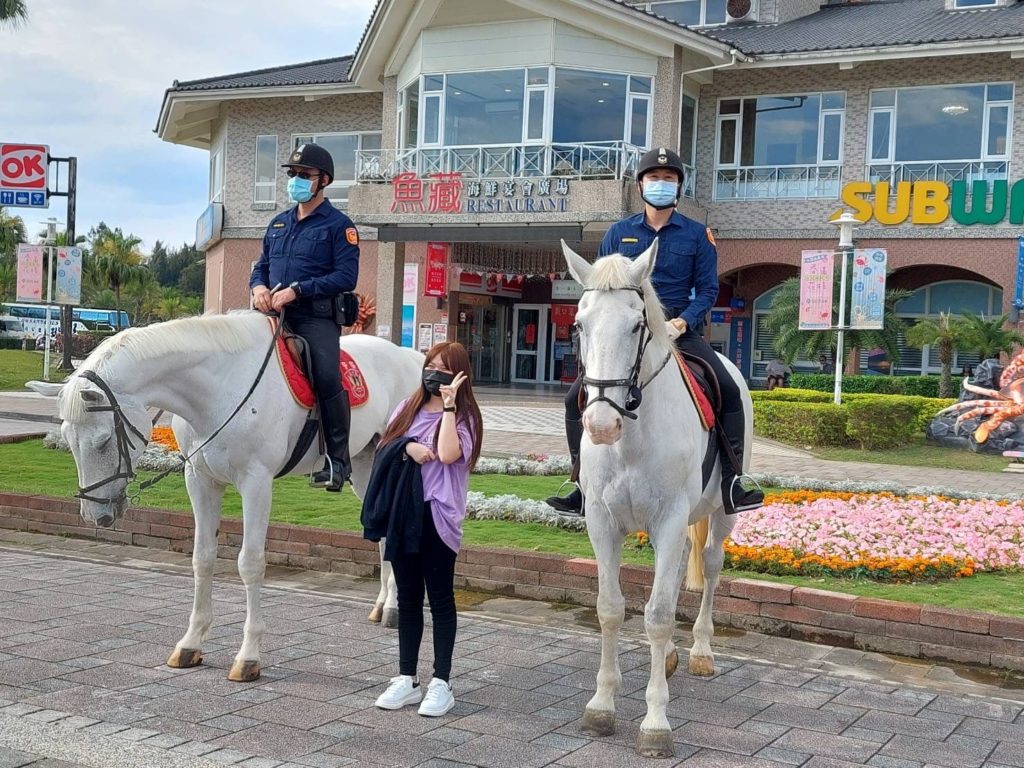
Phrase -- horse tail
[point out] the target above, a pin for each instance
(698, 533)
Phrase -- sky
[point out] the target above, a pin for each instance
(88, 78)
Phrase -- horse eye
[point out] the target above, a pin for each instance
(639, 325)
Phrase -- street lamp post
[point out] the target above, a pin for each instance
(50, 242)
(846, 222)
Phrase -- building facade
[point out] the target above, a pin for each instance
(471, 138)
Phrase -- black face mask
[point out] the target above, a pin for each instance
(434, 380)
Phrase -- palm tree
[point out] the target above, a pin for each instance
(119, 262)
(791, 343)
(988, 337)
(13, 13)
(944, 334)
(143, 296)
(12, 231)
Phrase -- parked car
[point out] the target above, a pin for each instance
(12, 328)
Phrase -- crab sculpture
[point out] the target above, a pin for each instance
(1000, 405)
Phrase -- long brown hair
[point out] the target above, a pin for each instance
(455, 358)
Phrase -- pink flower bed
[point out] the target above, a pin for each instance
(989, 533)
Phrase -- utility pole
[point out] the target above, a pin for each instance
(71, 194)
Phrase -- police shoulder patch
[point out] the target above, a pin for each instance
(711, 236)
(352, 236)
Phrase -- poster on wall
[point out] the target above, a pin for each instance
(30, 273)
(410, 284)
(816, 290)
(425, 340)
(440, 332)
(867, 304)
(436, 282)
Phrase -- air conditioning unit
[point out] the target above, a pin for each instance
(741, 10)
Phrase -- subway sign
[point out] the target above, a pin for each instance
(933, 202)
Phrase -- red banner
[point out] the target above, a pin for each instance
(563, 314)
(436, 283)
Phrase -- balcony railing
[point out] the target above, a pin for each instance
(768, 182)
(585, 161)
(947, 171)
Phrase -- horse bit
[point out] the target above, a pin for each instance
(634, 388)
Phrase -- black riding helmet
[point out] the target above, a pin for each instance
(312, 156)
(660, 158)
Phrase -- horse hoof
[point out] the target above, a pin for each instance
(655, 744)
(244, 671)
(702, 666)
(377, 613)
(184, 658)
(598, 722)
(390, 619)
(671, 663)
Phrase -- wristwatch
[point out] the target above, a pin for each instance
(296, 287)
(448, 409)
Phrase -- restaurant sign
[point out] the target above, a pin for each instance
(933, 202)
(452, 193)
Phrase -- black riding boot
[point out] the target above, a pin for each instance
(736, 497)
(573, 503)
(336, 419)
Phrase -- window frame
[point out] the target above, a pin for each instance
(337, 184)
(271, 185)
(956, 5)
(703, 13)
(216, 169)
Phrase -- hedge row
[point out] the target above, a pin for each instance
(872, 422)
(922, 386)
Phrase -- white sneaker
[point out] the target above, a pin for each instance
(402, 691)
(439, 699)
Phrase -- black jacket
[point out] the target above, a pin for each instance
(393, 505)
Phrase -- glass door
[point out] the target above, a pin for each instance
(482, 333)
(529, 343)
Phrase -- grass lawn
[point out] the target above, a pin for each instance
(17, 367)
(919, 454)
(30, 468)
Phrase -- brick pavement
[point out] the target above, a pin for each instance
(86, 627)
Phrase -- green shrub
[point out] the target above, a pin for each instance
(881, 422)
(790, 395)
(16, 344)
(802, 423)
(921, 386)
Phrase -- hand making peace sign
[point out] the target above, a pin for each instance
(449, 391)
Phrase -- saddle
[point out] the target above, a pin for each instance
(293, 359)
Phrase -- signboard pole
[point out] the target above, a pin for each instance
(66, 309)
(49, 298)
(837, 390)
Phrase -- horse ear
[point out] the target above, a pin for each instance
(579, 268)
(643, 265)
(45, 388)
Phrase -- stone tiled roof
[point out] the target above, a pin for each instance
(320, 72)
(878, 24)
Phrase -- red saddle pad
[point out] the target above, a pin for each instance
(302, 391)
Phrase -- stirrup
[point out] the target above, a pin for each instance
(558, 491)
(330, 478)
(732, 492)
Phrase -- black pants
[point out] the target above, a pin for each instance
(432, 568)
(691, 343)
(322, 336)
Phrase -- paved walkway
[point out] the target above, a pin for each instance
(87, 626)
(518, 422)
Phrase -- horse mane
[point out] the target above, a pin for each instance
(231, 333)
(611, 273)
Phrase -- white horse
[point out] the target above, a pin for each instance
(641, 471)
(199, 369)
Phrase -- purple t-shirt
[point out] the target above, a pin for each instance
(444, 485)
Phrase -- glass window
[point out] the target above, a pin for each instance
(998, 119)
(939, 123)
(589, 106)
(266, 169)
(1000, 92)
(780, 130)
(729, 107)
(431, 119)
(484, 108)
(412, 115)
(833, 100)
(217, 176)
(880, 126)
(535, 124)
(342, 147)
(958, 297)
(973, 3)
(687, 129)
(727, 143)
(537, 76)
(690, 13)
(433, 83)
(914, 304)
(831, 137)
(639, 84)
(883, 99)
(638, 122)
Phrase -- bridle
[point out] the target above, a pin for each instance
(634, 387)
(124, 443)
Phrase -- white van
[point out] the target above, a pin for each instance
(12, 328)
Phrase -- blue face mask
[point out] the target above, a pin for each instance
(300, 190)
(660, 194)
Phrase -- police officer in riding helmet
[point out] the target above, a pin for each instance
(310, 256)
(685, 279)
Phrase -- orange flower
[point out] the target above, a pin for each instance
(164, 436)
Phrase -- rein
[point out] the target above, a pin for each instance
(634, 387)
(124, 443)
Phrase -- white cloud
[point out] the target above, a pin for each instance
(88, 79)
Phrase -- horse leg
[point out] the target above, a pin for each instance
(252, 566)
(206, 496)
(702, 660)
(655, 739)
(606, 539)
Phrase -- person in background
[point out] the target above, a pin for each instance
(445, 426)
(825, 365)
(777, 372)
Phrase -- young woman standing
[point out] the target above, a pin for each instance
(444, 423)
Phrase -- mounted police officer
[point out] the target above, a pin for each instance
(686, 280)
(310, 257)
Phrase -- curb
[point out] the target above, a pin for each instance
(801, 613)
